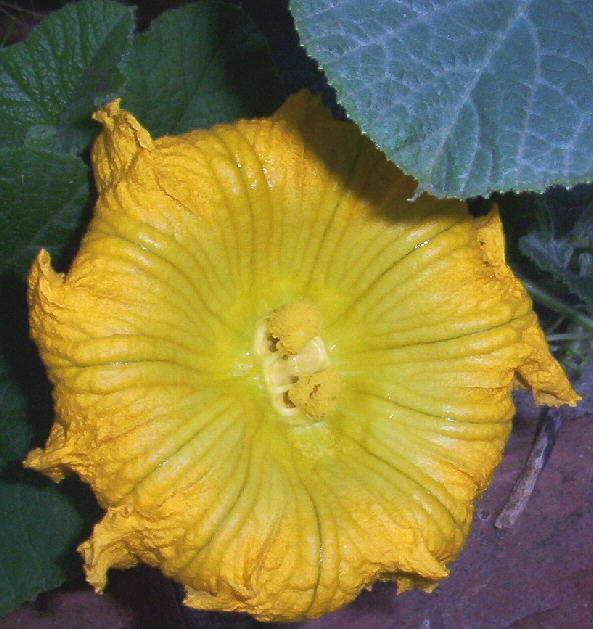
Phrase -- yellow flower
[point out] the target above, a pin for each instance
(282, 378)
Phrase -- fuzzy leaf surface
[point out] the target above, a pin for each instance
(52, 82)
(468, 97)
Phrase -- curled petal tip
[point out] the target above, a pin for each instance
(107, 548)
(42, 271)
(122, 138)
(108, 112)
(539, 372)
(37, 460)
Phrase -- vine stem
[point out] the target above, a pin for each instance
(552, 419)
(547, 299)
(538, 457)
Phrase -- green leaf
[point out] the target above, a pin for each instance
(582, 232)
(555, 256)
(40, 523)
(467, 97)
(199, 65)
(560, 258)
(52, 82)
(559, 238)
(42, 201)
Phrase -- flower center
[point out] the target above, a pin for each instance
(302, 385)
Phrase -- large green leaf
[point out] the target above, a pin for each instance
(197, 66)
(43, 196)
(469, 97)
(51, 83)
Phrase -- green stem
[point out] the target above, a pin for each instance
(559, 321)
(547, 299)
(551, 338)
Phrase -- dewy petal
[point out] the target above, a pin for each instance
(172, 403)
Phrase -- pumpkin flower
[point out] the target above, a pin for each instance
(283, 378)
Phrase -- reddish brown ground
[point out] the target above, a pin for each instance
(537, 575)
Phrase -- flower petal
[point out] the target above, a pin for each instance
(288, 242)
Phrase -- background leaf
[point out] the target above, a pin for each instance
(40, 523)
(557, 256)
(296, 69)
(197, 66)
(52, 82)
(43, 196)
(467, 97)
(562, 242)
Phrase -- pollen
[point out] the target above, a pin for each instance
(296, 367)
(294, 326)
(317, 393)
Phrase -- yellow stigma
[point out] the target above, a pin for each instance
(301, 385)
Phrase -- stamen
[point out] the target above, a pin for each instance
(316, 394)
(294, 325)
(295, 363)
